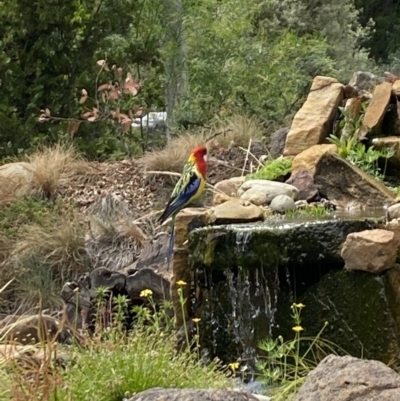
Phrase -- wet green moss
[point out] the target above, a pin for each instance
(279, 243)
(249, 276)
(356, 306)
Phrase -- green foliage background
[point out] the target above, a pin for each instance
(247, 57)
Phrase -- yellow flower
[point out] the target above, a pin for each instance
(196, 320)
(299, 306)
(146, 293)
(234, 365)
(181, 282)
(297, 329)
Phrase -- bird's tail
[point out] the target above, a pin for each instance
(171, 244)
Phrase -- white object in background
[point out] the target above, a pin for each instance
(153, 118)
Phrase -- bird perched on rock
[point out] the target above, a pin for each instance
(189, 188)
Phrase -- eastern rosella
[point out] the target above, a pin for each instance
(189, 188)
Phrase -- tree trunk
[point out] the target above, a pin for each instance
(175, 59)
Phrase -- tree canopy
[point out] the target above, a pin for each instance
(199, 60)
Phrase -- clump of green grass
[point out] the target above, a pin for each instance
(273, 170)
(29, 210)
(123, 361)
(288, 363)
(351, 149)
(143, 360)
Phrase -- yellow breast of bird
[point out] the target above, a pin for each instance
(199, 191)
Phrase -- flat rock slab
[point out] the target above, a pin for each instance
(234, 211)
(304, 242)
(172, 394)
(377, 108)
(350, 379)
(345, 184)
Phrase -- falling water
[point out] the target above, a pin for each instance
(241, 271)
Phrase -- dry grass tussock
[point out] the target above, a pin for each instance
(175, 154)
(44, 256)
(6, 246)
(59, 242)
(114, 239)
(30, 372)
(54, 165)
(234, 131)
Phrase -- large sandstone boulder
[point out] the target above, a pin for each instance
(344, 378)
(372, 250)
(308, 158)
(312, 123)
(186, 220)
(345, 184)
(396, 87)
(377, 108)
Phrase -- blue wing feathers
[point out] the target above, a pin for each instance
(181, 199)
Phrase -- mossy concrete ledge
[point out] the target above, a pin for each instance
(246, 277)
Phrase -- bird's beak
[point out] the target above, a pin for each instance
(205, 158)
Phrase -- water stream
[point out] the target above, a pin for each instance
(249, 274)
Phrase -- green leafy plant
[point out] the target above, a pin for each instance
(273, 170)
(350, 148)
(287, 363)
(367, 159)
(364, 158)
